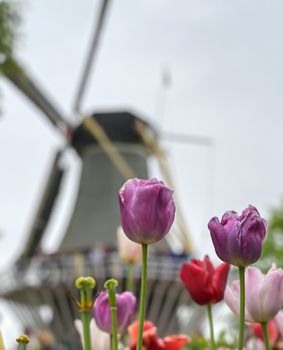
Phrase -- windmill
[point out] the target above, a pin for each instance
(113, 146)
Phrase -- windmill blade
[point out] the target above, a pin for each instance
(90, 57)
(18, 76)
(46, 204)
(187, 138)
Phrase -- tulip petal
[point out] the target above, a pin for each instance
(126, 306)
(208, 265)
(133, 329)
(254, 280)
(219, 238)
(232, 297)
(175, 342)
(219, 281)
(271, 294)
(253, 230)
(102, 314)
(197, 282)
(264, 294)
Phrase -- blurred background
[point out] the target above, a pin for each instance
(207, 77)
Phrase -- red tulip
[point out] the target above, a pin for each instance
(151, 340)
(175, 342)
(204, 283)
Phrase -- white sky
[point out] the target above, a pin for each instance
(225, 58)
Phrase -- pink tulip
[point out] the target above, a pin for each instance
(129, 251)
(264, 294)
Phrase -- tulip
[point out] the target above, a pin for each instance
(99, 339)
(237, 238)
(129, 251)
(205, 283)
(151, 340)
(147, 210)
(264, 294)
(147, 213)
(126, 306)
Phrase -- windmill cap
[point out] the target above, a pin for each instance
(118, 126)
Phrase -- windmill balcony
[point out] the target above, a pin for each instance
(40, 290)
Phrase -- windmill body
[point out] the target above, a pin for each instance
(100, 180)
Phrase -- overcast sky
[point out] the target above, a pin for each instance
(225, 60)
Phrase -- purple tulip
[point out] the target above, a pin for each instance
(237, 238)
(126, 307)
(147, 210)
(264, 294)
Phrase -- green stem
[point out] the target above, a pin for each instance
(142, 296)
(129, 285)
(242, 307)
(22, 346)
(86, 317)
(124, 339)
(111, 341)
(265, 335)
(212, 340)
(114, 327)
(111, 285)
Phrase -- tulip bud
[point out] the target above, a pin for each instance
(147, 210)
(129, 251)
(237, 238)
(126, 306)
